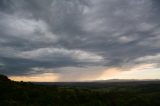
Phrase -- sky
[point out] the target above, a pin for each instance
(79, 40)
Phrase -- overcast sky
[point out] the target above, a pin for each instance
(74, 40)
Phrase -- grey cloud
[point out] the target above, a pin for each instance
(118, 31)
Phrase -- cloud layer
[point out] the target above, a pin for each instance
(55, 34)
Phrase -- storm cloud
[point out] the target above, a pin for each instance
(54, 34)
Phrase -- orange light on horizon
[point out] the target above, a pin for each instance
(45, 77)
(142, 71)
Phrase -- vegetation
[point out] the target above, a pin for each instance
(29, 94)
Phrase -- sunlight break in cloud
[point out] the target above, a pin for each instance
(46, 77)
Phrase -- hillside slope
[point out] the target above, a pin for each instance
(28, 94)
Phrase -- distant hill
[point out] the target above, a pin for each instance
(4, 78)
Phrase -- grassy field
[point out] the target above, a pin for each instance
(143, 93)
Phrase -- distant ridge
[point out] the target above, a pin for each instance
(126, 80)
(101, 83)
(4, 78)
(105, 81)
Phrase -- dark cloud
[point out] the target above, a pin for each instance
(76, 33)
